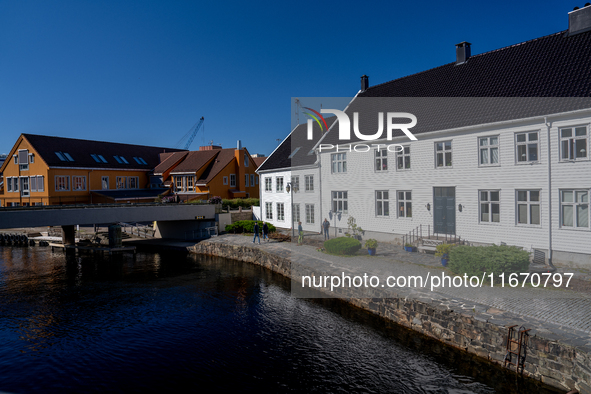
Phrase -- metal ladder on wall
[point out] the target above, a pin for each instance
(517, 341)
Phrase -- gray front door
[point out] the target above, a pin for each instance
(444, 215)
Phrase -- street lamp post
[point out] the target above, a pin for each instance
(290, 190)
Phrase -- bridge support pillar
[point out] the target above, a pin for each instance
(69, 235)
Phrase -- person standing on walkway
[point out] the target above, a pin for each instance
(300, 233)
(256, 233)
(265, 232)
(325, 226)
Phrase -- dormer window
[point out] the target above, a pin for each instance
(95, 157)
(139, 160)
(121, 159)
(102, 158)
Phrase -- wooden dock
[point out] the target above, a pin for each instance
(103, 249)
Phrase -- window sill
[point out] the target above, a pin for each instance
(539, 226)
(488, 165)
(443, 167)
(524, 163)
(583, 229)
(490, 223)
(403, 169)
(574, 160)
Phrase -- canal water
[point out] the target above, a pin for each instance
(172, 322)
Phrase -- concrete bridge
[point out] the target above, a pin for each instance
(173, 220)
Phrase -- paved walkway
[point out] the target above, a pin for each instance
(554, 313)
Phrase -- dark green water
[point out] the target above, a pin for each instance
(177, 323)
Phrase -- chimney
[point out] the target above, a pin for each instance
(579, 20)
(462, 52)
(239, 144)
(364, 82)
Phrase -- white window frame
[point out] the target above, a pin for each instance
(232, 180)
(309, 180)
(23, 165)
(76, 178)
(245, 160)
(309, 213)
(103, 178)
(489, 148)
(405, 156)
(296, 213)
(489, 203)
(25, 186)
(571, 142)
(251, 180)
(528, 203)
(574, 204)
(135, 179)
(338, 163)
(404, 201)
(33, 184)
(279, 184)
(256, 180)
(67, 181)
(246, 180)
(381, 160)
(225, 181)
(295, 183)
(280, 211)
(443, 152)
(122, 181)
(269, 210)
(527, 142)
(339, 201)
(269, 184)
(382, 204)
(40, 183)
(9, 185)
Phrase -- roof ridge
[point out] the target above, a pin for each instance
(480, 54)
(102, 142)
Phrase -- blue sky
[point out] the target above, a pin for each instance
(144, 72)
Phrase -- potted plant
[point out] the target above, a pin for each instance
(371, 245)
(409, 248)
(442, 250)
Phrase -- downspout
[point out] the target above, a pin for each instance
(548, 126)
(320, 192)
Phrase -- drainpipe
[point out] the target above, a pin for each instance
(320, 195)
(548, 126)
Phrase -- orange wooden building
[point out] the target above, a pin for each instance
(209, 172)
(43, 170)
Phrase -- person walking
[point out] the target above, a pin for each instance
(265, 232)
(256, 233)
(325, 226)
(300, 233)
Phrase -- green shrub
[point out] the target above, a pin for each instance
(247, 226)
(342, 245)
(475, 260)
(240, 202)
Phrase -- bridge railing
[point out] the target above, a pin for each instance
(140, 230)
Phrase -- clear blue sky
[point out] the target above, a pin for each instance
(145, 71)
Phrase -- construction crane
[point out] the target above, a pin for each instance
(191, 134)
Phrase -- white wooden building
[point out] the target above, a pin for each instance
(513, 169)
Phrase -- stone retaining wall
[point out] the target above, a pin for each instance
(550, 361)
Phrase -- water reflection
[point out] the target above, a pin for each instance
(170, 322)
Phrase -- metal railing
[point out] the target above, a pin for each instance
(416, 235)
(140, 230)
(202, 233)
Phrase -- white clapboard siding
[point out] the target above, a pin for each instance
(361, 181)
